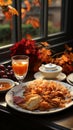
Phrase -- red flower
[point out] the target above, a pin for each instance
(37, 55)
(26, 47)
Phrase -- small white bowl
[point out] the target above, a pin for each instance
(50, 66)
(4, 88)
(50, 73)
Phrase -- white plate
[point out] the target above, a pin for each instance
(70, 78)
(18, 91)
(12, 83)
(60, 77)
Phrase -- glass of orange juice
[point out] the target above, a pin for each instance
(20, 65)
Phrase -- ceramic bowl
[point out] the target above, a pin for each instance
(6, 84)
(50, 66)
(50, 71)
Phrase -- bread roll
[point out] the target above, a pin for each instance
(33, 103)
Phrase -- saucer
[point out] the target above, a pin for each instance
(70, 78)
(60, 77)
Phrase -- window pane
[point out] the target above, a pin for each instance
(5, 29)
(54, 16)
(30, 15)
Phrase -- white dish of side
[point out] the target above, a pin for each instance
(70, 78)
(60, 77)
(50, 70)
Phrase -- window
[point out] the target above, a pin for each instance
(34, 17)
(30, 16)
(43, 20)
(5, 29)
(54, 16)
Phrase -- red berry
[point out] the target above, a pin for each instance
(9, 67)
(2, 67)
(4, 76)
(2, 72)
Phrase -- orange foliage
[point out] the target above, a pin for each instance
(33, 21)
(12, 10)
(23, 13)
(28, 36)
(66, 60)
(28, 5)
(9, 11)
(68, 48)
(45, 55)
(36, 2)
(5, 2)
(45, 44)
(62, 59)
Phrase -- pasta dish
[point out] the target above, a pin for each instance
(43, 95)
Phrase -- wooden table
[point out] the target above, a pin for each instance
(10, 118)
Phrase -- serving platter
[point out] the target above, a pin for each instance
(19, 90)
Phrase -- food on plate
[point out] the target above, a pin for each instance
(42, 95)
(32, 103)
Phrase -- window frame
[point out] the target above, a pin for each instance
(54, 39)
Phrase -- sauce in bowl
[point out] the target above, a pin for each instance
(4, 85)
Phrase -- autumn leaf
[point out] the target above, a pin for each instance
(5, 2)
(44, 55)
(23, 13)
(33, 21)
(28, 5)
(68, 48)
(9, 11)
(36, 2)
(45, 44)
(12, 10)
(28, 36)
(71, 56)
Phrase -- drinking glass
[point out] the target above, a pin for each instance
(20, 65)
